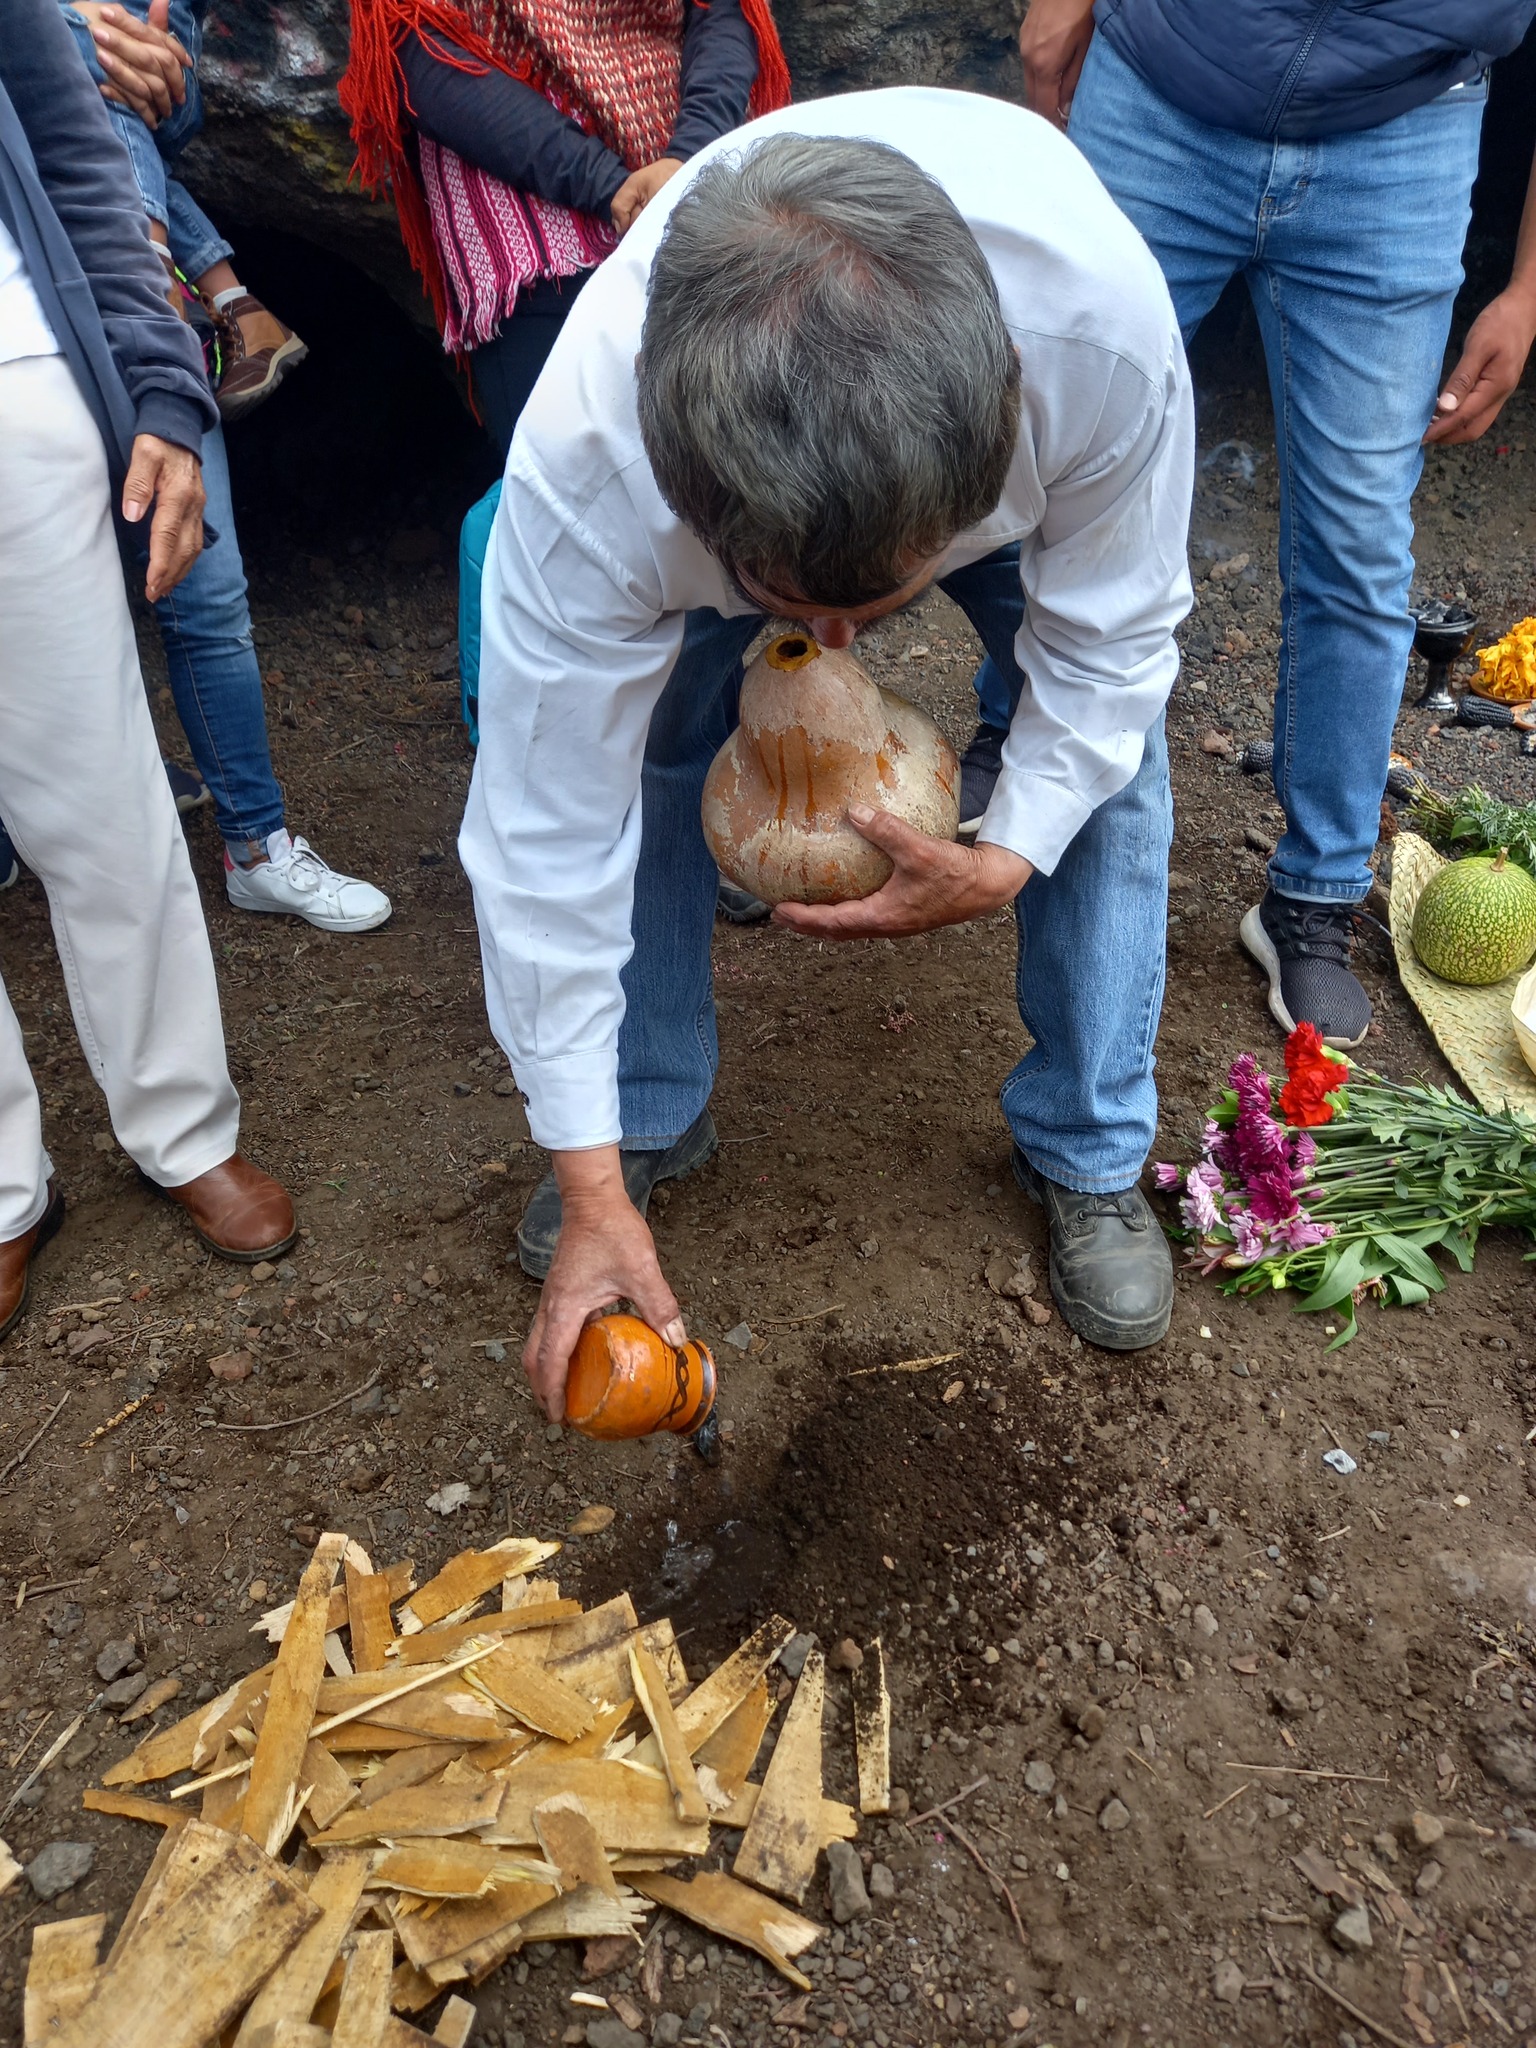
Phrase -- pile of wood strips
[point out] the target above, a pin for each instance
(414, 1789)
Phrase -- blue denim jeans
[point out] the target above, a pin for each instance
(1351, 250)
(196, 243)
(205, 626)
(1082, 1105)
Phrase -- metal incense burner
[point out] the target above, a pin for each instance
(1442, 633)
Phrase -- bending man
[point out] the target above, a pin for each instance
(860, 371)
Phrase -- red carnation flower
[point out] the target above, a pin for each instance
(1311, 1077)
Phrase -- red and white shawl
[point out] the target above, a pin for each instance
(612, 66)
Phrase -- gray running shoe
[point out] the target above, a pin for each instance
(1305, 949)
(739, 905)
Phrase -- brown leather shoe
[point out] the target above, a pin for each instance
(17, 1254)
(238, 1211)
(258, 352)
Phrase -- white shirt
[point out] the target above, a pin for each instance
(589, 575)
(24, 329)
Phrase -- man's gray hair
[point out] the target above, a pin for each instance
(828, 394)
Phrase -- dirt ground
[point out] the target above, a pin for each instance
(1153, 1644)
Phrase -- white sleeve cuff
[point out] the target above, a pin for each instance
(573, 1103)
(1034, 817)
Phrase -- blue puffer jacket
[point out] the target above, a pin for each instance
(1294, 69)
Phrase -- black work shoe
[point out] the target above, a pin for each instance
(980, 766)
(1304, 948)
(739, 905)
(539, 1231)
(1111, 1269)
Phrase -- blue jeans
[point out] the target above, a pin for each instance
(196, 243)
(1351, 250)
(1082, 1104)
(205, 626)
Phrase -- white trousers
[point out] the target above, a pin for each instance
(84, 797)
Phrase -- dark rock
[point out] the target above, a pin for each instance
(125, 1691)
(1352, 1930)
(63, 1617)
(845, 1883)
(667, 2029)
(611, 2032)
(794, 1653)
(118, 1656)
(1227, 1982)
(1507, 1753)
(59, 1868)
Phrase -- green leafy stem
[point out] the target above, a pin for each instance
(1399, 1172)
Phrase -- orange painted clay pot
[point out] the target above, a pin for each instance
(817, 734)
(626, 1381)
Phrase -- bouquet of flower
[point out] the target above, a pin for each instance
(1339, 1183)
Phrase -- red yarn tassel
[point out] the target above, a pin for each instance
(373, 96)
(772, 88)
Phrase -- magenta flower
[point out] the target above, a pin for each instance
(1242, 1202)
(1272, 1196)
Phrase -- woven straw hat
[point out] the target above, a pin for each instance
(1478, 1029)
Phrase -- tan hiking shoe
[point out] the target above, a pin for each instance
(258, 352)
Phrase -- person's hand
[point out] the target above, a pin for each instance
(170, 479)
(1489, 369)
(935, 883)
(145, 65)
(1053, 41)
(642, 185)
(605, 1254)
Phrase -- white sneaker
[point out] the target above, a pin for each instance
(294, 881)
